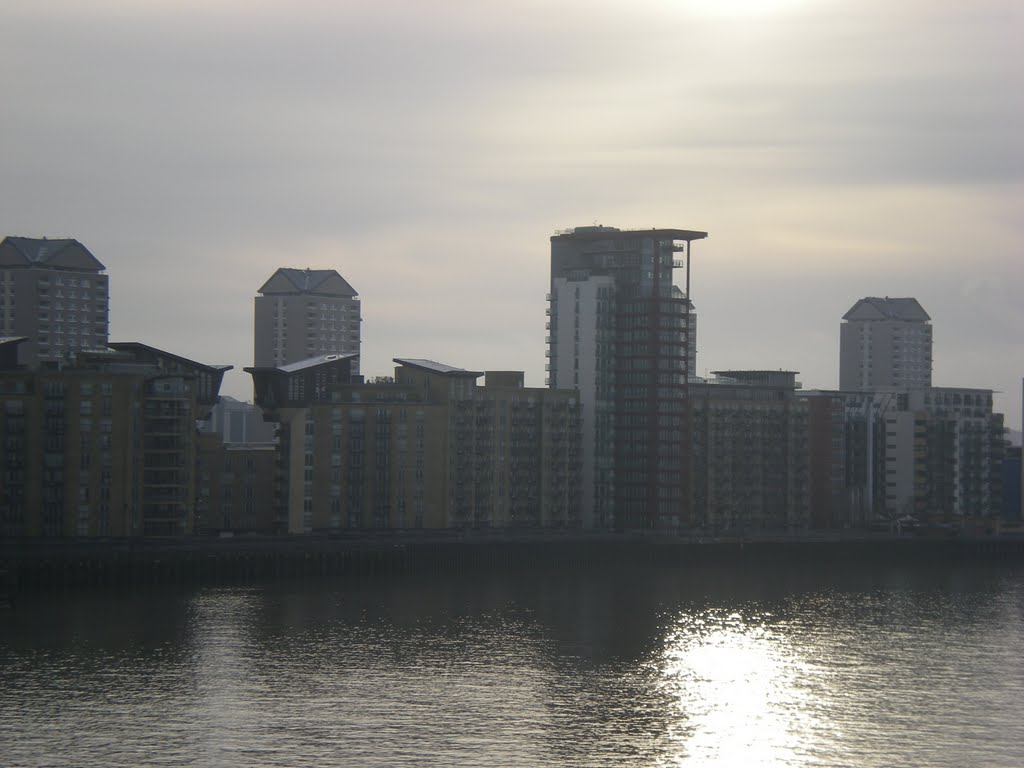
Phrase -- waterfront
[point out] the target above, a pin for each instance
(852, 664)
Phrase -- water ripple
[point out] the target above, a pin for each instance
(894, 667)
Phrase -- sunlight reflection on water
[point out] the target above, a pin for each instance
(663, 668)
(735, 684)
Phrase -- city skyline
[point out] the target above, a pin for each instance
(832, 153)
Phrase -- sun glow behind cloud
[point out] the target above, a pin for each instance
(819, 143)
(734, 8)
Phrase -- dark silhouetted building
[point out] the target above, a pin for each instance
(751, 470)
(619, 335)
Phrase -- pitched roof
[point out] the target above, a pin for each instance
(146, 352)
(430, 365)
(32, 251)
(874, 308)
(300, 365)
(323, 282)
(312, 362)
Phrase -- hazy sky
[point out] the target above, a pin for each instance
(427, 150)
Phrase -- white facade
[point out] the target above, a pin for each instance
(583, 343)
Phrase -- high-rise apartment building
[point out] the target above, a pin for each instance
(55, 294)
(885, 343)
(304, 313)
(619, 334)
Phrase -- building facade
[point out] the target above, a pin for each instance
(236, 487)
(305, 313)
(619, 335)
(826, 418)
(963, 450)
(55, 293)
(429, 448)
(885, 343)
(104, 446)
(751, 454)
(923, 456)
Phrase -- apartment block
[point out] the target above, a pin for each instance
(305, 313)
(429, 448)
(751, 453)
(54, 293)
(928, 455)
(962, 452)
(104, 446)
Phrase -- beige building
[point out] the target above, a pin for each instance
(106, 446)
(55, 293)
(428, 449)
(304, 313)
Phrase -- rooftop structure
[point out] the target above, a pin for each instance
(430, 365)
(207, 378)
(303, 381)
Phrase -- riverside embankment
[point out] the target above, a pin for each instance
(29, 565)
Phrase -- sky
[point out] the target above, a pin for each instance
(832, 149)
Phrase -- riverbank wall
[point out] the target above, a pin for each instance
(33, 565)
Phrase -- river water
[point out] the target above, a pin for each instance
(799, 665)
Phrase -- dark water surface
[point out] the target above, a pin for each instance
(853, 665)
